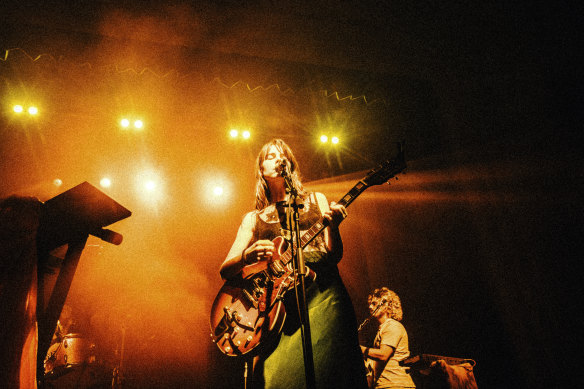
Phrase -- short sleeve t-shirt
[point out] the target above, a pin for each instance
(392, 333)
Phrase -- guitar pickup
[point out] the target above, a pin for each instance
(276, 268)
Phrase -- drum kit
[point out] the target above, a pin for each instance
(73, 351)
(72, 362)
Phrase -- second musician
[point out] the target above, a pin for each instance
(391, 342)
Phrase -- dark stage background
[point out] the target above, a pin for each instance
(481, 238)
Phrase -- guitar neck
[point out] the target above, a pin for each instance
(375, 177)
(318, 227)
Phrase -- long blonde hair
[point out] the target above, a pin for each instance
(262, 192)
(393, 306)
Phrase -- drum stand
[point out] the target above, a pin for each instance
(117, 373)
(49, 316)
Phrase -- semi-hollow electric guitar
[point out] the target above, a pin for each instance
(249, 310)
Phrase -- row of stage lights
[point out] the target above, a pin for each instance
(150, 188)
(246, 134)
(19, 109)
(125, 123)
(233, 133)
(334, 139)
(138, 125)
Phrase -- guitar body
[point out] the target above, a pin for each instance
(249, 308)
(239, 325)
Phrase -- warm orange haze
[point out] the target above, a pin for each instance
(164, 108)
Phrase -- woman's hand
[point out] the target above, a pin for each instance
(261, 250)
(335, 215)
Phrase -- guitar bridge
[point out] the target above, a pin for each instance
(251, 299)
(256, 289)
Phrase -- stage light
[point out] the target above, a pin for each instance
(57, 182)
(128, 122)
(324, 138)
(335, 140)
(150, 185)
(218, 191)
(214, 189)
(236, 133)
(105, 182)
(32, 110)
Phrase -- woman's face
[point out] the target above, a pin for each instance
(272, 162)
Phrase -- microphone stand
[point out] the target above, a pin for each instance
(293, 216)
(371, 316)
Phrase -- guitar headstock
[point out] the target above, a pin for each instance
(387, 170)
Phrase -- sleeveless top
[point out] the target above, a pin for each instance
(271, 221)
(337, 357)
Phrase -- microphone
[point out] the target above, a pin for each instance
(381, 303)
(284, 167)
(108, 236)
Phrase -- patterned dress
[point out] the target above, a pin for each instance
(337, 356)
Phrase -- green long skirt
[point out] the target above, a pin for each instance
(338, 362)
